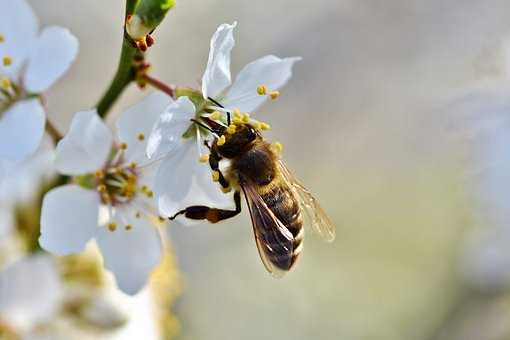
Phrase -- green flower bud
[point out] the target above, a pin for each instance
(147, 15)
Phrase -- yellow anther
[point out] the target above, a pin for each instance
(2, 38)
(7, 61)
(215, 176)
(264, 126)
(161, 219)
(128, 227)
(221, 140)
(101, 188)
(256, 125)
(150, 194)
(237, 113)
(123, 146)
(144, 188)
(231, 129)
(204, 158)
(138, 214)
(274, 94)
(262, 90)
(141, 137)
(277, 147)
(226, 190)
(99, 174)
(215, 115)
(133, 165)
(246, 117)
(112, 226)
(237, 120)
(6, 83)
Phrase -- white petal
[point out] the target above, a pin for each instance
(217, 73)
(30, 291)
(182, 181)
(6, 222)
(494, 183)
(86, 146)
(19, 28)
(23, 178)
(269, 70)
(140, 119)
(130, 254)
(69, 219)
(171, 125)
(21, 129)
(55, 50)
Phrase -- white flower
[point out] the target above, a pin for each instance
(484, 118)
(30, 62)
(30, 292)
(181, 180)
(111, 198)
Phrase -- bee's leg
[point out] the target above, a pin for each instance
(213, 215)
(214, 163)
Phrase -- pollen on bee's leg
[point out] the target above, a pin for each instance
(221, 140)
(262, 90)
(215, 176)
(204, 158)
(6, 61)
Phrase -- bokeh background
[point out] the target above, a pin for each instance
(370, 123)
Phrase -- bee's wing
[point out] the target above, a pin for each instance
(274, 241)
(317, 217)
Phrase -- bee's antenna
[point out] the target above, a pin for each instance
(229, 120)
(215, 102)
(202, 125)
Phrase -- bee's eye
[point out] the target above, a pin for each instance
(251, 134)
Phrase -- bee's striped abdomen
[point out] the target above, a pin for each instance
(282, 202)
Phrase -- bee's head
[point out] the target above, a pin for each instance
(236, 139)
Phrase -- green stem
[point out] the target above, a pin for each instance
(123, 77)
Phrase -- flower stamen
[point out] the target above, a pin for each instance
(6, 61)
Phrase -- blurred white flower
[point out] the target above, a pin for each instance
(111, 198)
(30, 292)
(486, 123)
(181, 180)
(30, 62)
(21, 186)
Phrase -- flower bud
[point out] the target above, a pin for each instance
(146, 16)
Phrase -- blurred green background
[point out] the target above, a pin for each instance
(363, 125)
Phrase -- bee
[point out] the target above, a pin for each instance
(276, 200)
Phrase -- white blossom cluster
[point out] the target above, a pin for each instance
(122, 184)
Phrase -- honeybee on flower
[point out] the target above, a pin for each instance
(181, 180)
